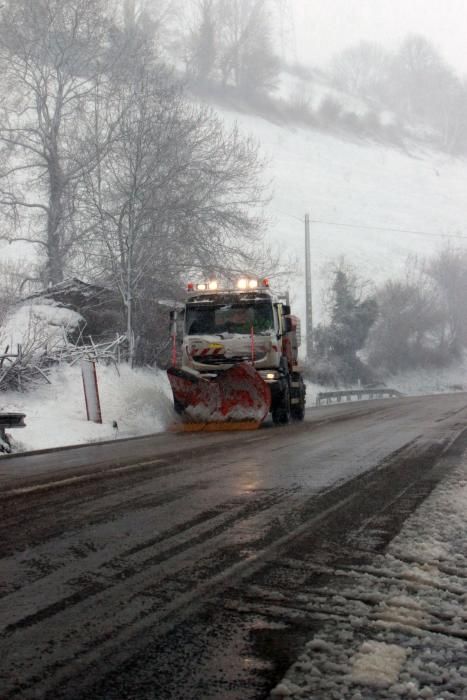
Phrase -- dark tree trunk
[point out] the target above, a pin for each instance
(55, 256)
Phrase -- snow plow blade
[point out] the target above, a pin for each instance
(237, 399)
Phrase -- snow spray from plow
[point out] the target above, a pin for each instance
(237, 399)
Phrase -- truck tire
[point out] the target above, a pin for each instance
(298, 413)
(281, 411)
(298, 391)
(178, 407)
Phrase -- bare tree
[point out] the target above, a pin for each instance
(161, 21)
(51, 52)
(361, 69)
(410, 330)
(14, 279)
(173, 193)
(450, 115)
(248, 59)
(449, 271)
(419, 77)
(414, 81)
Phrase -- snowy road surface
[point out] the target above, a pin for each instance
(152, 568)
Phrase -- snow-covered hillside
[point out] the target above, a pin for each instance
(362, 183)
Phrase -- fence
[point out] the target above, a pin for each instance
(32, 361)
(329, 397)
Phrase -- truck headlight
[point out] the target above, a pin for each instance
(269, 374)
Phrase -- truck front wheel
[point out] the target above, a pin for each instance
(298, 393)
(281, 410)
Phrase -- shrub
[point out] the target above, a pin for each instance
(329, 111)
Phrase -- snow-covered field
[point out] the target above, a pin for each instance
(398, 628)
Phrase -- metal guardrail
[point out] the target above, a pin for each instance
(355, 394)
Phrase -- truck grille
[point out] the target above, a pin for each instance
(222, 360)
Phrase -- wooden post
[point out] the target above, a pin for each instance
(91, 391)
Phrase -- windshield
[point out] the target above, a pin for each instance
(202, 319)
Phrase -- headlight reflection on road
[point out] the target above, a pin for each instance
(251, 478)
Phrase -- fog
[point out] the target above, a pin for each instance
(321, 28)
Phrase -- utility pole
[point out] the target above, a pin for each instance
(308, 292)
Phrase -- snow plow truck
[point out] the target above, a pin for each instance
(238, 358)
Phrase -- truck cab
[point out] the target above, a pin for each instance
(231, 327)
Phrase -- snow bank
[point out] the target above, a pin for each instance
(138, 400)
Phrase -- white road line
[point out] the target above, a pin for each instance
(82, 477)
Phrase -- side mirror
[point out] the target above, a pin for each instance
(286, 309)
(173, 315)
(288, 324)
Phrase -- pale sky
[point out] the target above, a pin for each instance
(325, 26)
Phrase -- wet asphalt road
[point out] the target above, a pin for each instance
(117, 559)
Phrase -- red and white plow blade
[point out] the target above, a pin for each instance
(236, 395)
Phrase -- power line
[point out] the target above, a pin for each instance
(389, 230)
(376, 227)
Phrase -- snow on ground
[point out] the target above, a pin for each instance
(396, 628)
(139, 400)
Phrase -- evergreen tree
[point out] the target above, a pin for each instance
(350, 321)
